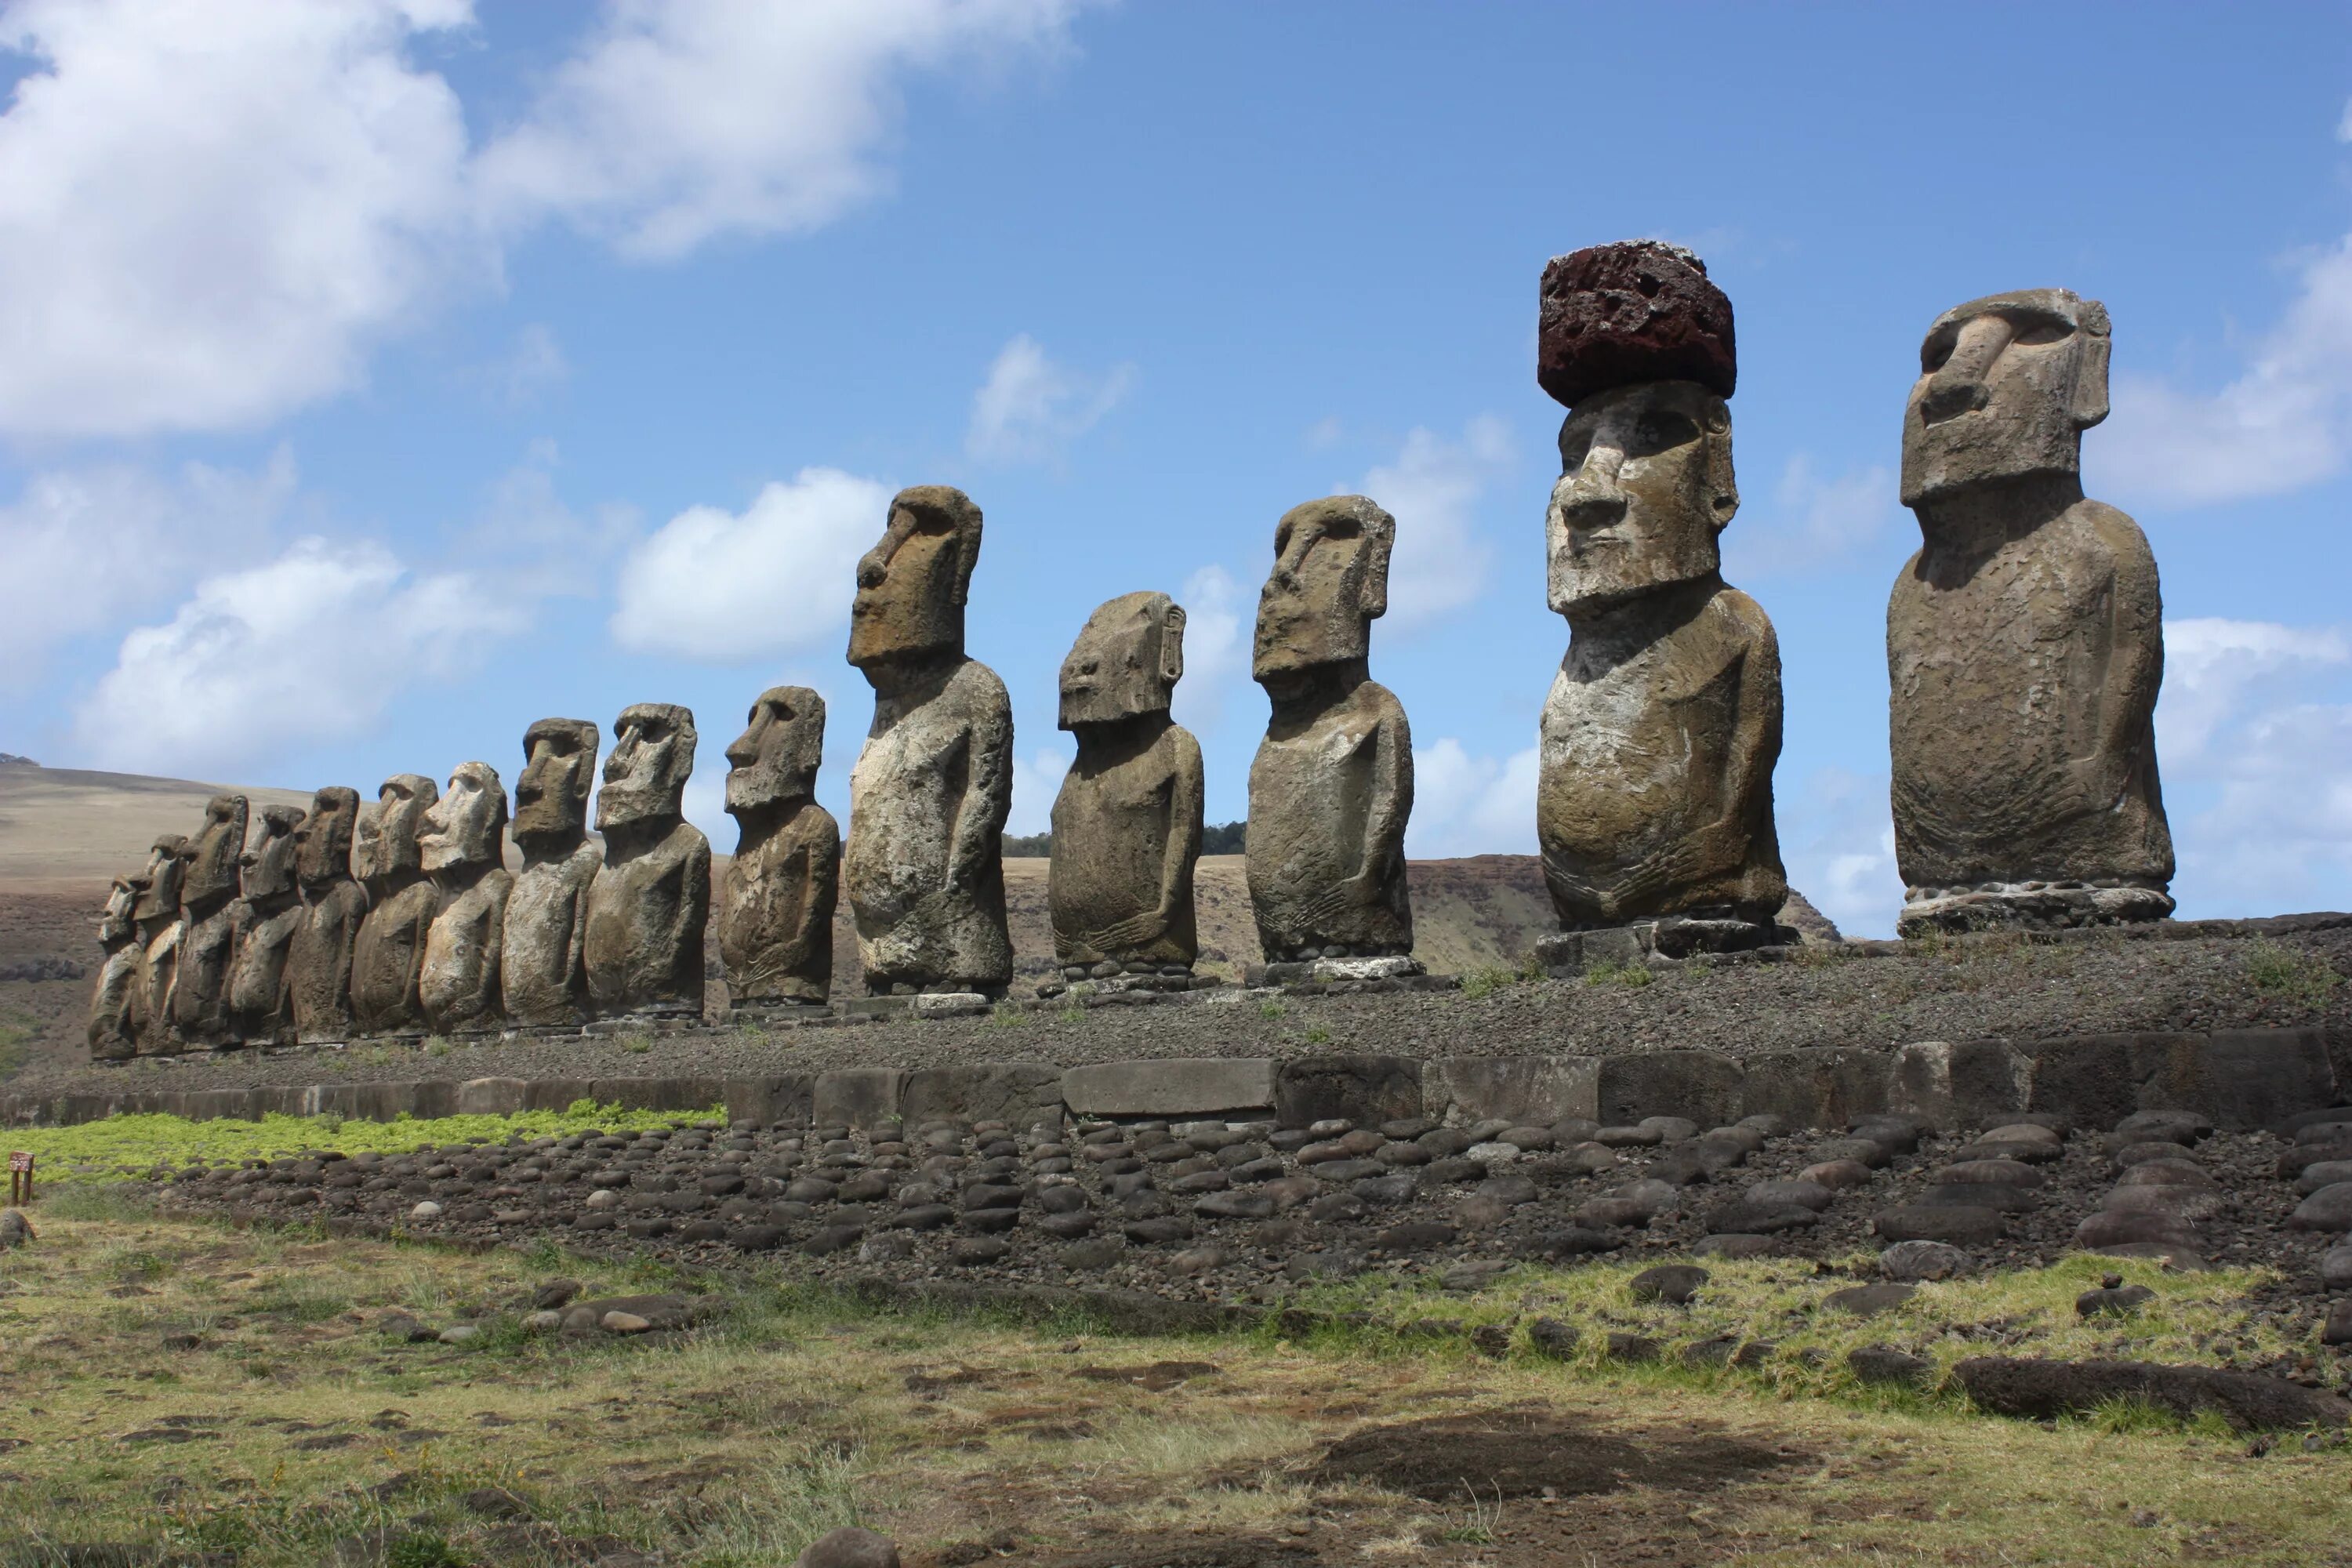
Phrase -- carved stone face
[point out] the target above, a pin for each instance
(467, 827)
(912, 585)
(116, 926)
(1646, 486)
(158, 885)
(559, 770)
(1125, 662)
(2007, 385)
(323, 851)
(268, 863)
(212, 864)
(1330, 581)
(653, 756)
(393, 827)
(775, 759)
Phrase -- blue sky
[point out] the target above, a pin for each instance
(378, 376)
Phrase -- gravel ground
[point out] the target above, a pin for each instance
(1984, 987)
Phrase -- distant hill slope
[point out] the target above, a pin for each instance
(64, 824)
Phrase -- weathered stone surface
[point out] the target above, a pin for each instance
(1171, 1087)
(161, 924)
(777, 900)
(542, 974)
(923, 868)
(1021, 1095)
(388, 957)
(464, 847)
(1705, 1086)
(1659, 737)
(1529, 1089)
(858, 1097)
(1365, 1089)
(268, 912)
(2024, 641)
(113, 1030)
(850, 1547)
(319, 963)
(1127, 822)
(1824, 1086)
(207, 896)
(1331, 786)
(1638, 310)
(649, 902)
(2041, 1389)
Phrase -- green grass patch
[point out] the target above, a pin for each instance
(1633, 974)
(2284, 974)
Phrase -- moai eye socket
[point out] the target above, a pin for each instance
(1936, 352)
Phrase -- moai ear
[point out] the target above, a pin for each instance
(1722, 482)
(1372, 565)
(2091, 369)
(1171, 643)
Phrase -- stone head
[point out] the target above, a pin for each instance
(1330, 582)
(324, 851)
(559, 770)
(159, 885)
(653, 756)
(468, 826)
(912, 586)
(115, 925)
(775, 759)
(212, 865)
(388, 834)
(1646, 486)
(268, 863)
(2007, 385)
(1125, 662)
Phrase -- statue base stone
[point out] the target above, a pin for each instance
(1109, 978)
(775, 1010)
(1331, 971)
(1574, 952)
(2030, 906)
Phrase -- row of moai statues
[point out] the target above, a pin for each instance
(2024, 647)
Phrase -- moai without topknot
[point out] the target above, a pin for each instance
(2024, 641)
(463, 843)
(1654, 803)
(777, 902)
(1331, 786)
(1127, 822)
(388, 958)
(319, 963)
(207, 898)
(542, 974)
(923, 867)
(649, 902)
(268, 914)
(113, 1030)
(160, 930)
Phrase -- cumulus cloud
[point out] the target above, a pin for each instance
(537, 544)
(532, 366)
(1219, 614)
(776, 578)
(1433, 490)
(86, 547)
(1813, 520)
(1031, 408)
(1036, 782)
(311, 647)
(1466, 805)
(210, 213)
(1837, 840)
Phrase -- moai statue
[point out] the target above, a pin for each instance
(463, 843)
(650, 901)
(319, 963)
(388, 958)
(924, 868)
(1653, 797)
(269, 913)
(208, 898)
(1127, 823)
(2024, 641)
(1331, 786)
(114, 1031)
(775, 910)
(541, 979)
(162, 927)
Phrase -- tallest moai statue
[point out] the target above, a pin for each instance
(2024, 641)
(1653, 803)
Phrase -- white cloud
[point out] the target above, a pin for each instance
(535, 544)
(212, 211)
(311, 647)
(1433, 490)
(1465, 804)
(777, 577)
(1813, 520)
(86, 547)
(1036, 782)
(1219, 619)
(2284, 423)
(1837, 841)
(1030, 408)
(532, 366)
(2212, 666)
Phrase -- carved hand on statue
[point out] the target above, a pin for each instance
(1126, 936)
(2096, 782)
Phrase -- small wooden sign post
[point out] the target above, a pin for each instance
(20, 1176)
